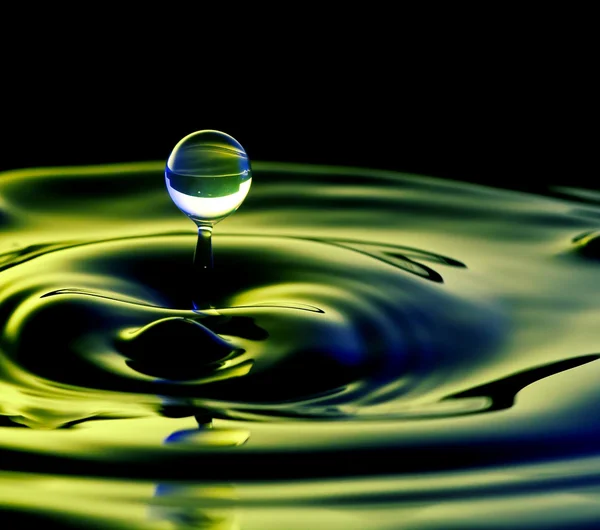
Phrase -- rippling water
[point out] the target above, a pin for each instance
(386, 351)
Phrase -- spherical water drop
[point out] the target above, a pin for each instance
(208, 176)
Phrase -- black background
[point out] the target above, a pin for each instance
(521, 116)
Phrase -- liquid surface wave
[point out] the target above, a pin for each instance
(385, 351)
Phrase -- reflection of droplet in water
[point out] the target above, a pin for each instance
(209, 506)
(208, 176)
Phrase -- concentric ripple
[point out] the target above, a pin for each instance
(380, 344)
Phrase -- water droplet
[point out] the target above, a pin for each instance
(208, 176)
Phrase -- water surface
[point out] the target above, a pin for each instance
(385, 351)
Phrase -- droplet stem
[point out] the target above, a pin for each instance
(203, 270)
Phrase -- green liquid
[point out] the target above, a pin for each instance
(384, 349)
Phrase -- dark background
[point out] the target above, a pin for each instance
(523, 117)
(517, 141)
